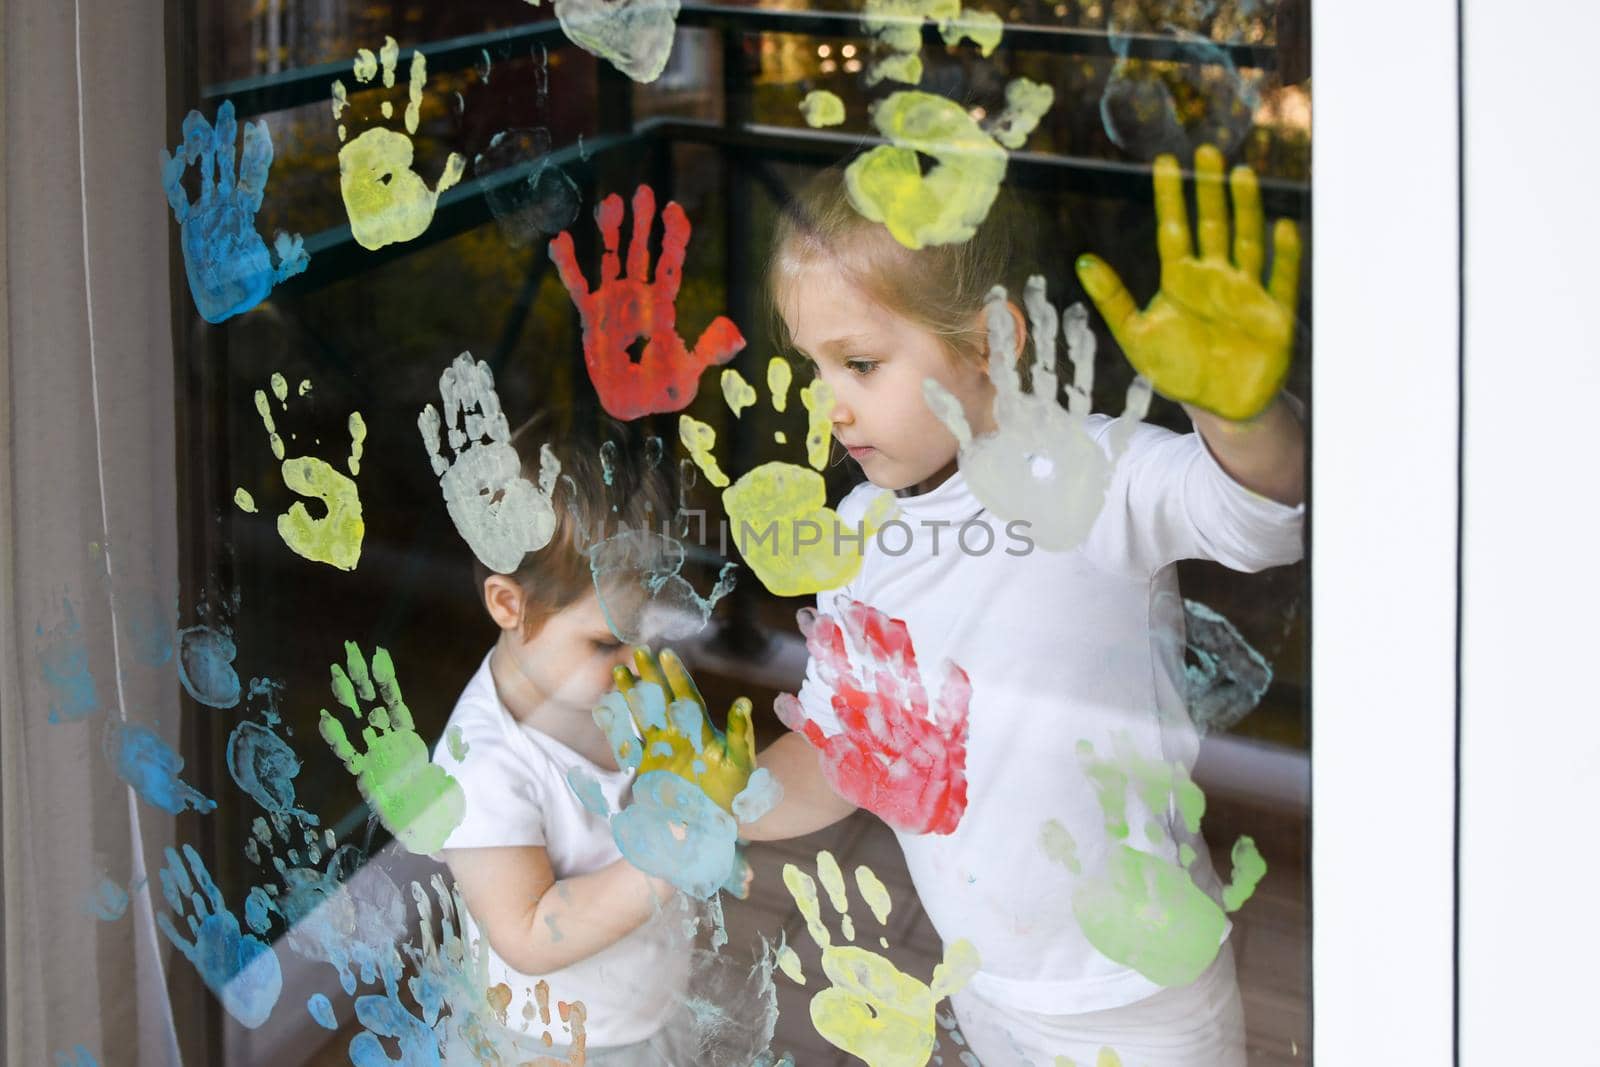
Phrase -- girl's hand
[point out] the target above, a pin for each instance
(1212, 336)
(678, 735)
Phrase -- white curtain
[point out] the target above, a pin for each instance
(87, 520)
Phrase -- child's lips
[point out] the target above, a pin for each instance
(858, 452)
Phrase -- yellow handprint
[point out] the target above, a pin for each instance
(782, 525)
(873, 1010)
(387, 201)
(1212, 336)
(681, 738)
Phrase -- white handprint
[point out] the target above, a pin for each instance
(500, 514)
(1040, 464)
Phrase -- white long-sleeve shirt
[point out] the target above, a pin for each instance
(1060, 647)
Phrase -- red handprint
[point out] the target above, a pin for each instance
(625, 310)
(892, 758)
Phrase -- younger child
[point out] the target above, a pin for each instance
(547, 889)
(1075, 656)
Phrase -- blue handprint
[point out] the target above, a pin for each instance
(386, 1016)
(240, 969)
(227, 261)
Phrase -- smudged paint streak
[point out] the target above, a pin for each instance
(151, 767)
(528, 195)
(265, 767)
(642, 593)
(64, 664)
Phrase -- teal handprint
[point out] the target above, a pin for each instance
(240, 969)
(416, 799)
(227, 261)
(1142, 910)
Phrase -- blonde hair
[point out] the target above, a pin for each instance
(941, 288)
(627, 487)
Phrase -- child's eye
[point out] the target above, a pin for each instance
(605, 646)
(860, 367)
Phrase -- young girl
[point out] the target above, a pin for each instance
(1071, 655)
(546, 886)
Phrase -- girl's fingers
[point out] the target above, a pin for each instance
(1213, 206)
(1172, 214)
(1109, 295)
(644, 664)
(741, 735)
(1248, 252)
(679, 683)
(1285, 284)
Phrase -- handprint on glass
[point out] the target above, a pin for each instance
(226, 260)
(498, 512)
(626, 310)
(896, 757)
(1041, 463)
(240, 969)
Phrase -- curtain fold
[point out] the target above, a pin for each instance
(88, 555)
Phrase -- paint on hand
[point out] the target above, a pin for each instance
(782, 525)
(239, 968)
(822, 108)
(151, 767)
(205, 665)
(635, 36)
(760, 795)
(1143, 910)
(672, 830)
(897, 756)
(226, 260)
(1041, 464)
(263, 765)
(1226, 677)
(107, 901)
(1213, 335)
(642, 592)
(64, 666)
(500, 514)
(387, 201)
(632, 307)
(321, 1009)
(335, 536)
(872, 1009)
(1139, 105)
(528, 195)
(418, 802)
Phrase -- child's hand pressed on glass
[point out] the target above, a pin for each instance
(1212, 336)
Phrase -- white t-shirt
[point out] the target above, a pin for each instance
(1060, 647)
(515, 781)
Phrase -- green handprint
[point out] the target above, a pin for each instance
(1143, 910)
(416, 799)
(1212, 335)
(873, 1009)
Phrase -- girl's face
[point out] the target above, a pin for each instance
(876, 361)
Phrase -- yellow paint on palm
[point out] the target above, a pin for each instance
(1213, 335)
(872, 1009)
(738, 393)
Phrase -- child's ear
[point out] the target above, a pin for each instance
(1020, 337)
(503, 597)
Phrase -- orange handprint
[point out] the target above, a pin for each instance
(624, 310)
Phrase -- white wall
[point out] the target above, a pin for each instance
(1384, 530)
(1530, 878)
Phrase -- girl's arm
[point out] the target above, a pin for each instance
(538, 924)
(1266, 454)
(809, 802)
